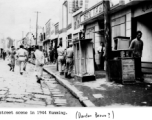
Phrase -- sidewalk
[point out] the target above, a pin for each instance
(103, 93)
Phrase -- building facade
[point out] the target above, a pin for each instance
(65, 21)
(46, 41)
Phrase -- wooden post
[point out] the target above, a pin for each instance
(107, 35)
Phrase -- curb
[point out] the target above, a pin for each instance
(72, 89)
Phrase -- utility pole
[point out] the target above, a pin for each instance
(107, 35)
(30, 25)
(37, 26)
(22, 34)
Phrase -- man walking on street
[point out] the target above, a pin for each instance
(22, 56)
(39, 63)
(60, 52)
(26, 60)
(69, 61)
(137, 46)
(4, 54)
(12, 58)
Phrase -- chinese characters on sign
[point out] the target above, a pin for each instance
(77, 21)
(92, 12)
(48, 29)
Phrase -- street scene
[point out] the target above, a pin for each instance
(75, 53)
(23, 91)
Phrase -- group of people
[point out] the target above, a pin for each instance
(20, 56)
(65, 60)
(50, 56)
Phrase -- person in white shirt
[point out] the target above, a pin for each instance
(26, 60)
(39, 63)
(22, 56)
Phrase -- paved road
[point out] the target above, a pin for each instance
(22, 90)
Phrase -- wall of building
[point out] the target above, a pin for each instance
(145, 26)
(121, 24)
(93, 2)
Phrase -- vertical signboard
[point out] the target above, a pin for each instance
(48, 29)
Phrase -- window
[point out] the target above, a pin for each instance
(118, 27)
(76, 5)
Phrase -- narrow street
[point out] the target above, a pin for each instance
(23, 91)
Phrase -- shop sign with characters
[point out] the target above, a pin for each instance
(90, 13)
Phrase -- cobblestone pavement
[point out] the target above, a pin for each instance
(22, 90)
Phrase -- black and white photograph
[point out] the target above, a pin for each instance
(75, 54)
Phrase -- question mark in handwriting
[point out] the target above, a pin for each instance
(109, 115)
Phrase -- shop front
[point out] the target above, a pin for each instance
(46, 44)
(93, 22)
(54, 42)
(124, 24)
(142, 21)
(122, 59)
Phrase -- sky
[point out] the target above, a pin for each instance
(17, 14)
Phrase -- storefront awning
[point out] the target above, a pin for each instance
(54, 39)
(46, 40)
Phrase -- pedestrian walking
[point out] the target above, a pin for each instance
(137, 46)
(60, 52)
(12, 53)
(26, 60)
(39, 63)
(21, 56)
(4, 54)
(69, 61)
